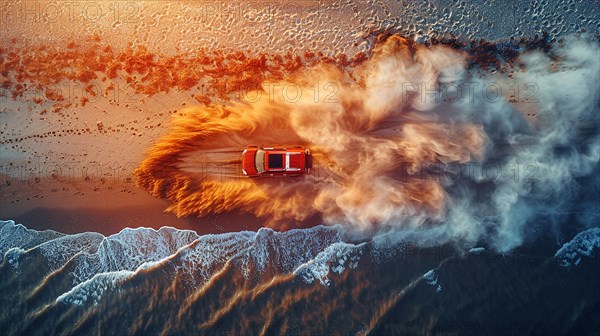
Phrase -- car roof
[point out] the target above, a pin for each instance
(275, 160)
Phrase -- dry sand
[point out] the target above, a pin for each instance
(67, 158)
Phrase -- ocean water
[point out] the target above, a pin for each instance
(321, 280)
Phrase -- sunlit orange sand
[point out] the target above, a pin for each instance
(376, 141)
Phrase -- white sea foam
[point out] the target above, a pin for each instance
(584, 243)
(13, 256)
(334, 258)
(17, 235)
(60, 250)
(92, 290)
(431, 278)
(477, 250)
(131, 248)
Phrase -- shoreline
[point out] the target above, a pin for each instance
(108, 210)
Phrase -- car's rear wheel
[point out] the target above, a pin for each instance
(309, 159)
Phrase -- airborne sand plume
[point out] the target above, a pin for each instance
(392, 124)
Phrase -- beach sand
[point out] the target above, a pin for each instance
(85, 207)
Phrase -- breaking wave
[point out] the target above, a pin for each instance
(263, 282)
(96, 263)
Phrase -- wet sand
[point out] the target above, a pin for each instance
(108, 212)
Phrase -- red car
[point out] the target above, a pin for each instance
(276, 161)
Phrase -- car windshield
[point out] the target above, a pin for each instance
(259, 161)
